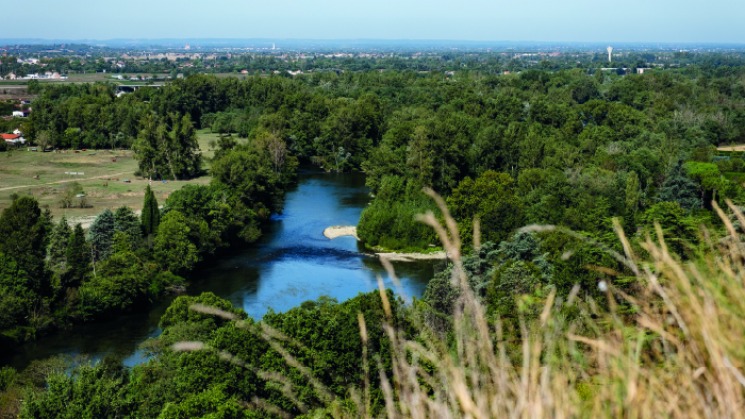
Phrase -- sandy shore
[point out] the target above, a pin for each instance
(339, 231)
(411, 257)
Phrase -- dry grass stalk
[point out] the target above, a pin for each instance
(680, 354)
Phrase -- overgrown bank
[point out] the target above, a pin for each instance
(656, 337)
(53, 275)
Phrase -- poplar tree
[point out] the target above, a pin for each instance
(150, 213)
(78, 258)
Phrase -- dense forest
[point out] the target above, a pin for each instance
(588, 155)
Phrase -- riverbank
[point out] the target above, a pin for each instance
(341, 231)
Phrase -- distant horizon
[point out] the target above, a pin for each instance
(231, 42)
(575, 21)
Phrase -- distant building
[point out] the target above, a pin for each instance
(14, 139)
(18, 114)
(10, 76)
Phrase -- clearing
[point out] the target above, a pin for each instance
(107, 178)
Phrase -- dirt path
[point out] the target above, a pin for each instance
(64, 181)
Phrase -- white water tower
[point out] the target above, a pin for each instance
(610, 51)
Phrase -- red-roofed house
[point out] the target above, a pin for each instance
(14, 139)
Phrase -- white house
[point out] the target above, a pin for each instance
(18, 114)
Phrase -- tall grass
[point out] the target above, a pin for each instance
(676, 350)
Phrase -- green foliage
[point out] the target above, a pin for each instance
(678, 187)
(126, 221)
(491, 199)
(167, 148)
(679, 229)
(150, 213)
(74, 196)
(78, 259)
(172, 247)
(713, 184)
(101, 235)
(122, 282)
(321, 335)
(58, 243)
(23, 229)
(179, 312)
(548, 146)
(389, 221)
(91, 392)
(8, 376)
(18, 299)
(249, 175)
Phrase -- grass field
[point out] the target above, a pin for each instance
(42, 175)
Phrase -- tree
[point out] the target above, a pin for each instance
(679, 188)
(172, 247)
(150, 213)
(126, 221)
(633, 197)
(58, 244)
(275, 148)
(163, 152)
(146, 147)
(713, 184)
(78, 259)
(490, 198)
(44, 139)
(678, 228)
(101, 235)
(73, 196)
(23, 233)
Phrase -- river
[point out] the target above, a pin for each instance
(293, 262)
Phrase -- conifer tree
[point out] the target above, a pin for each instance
(150, 213)
(126, 221)
(78, 259)
(101, 235)
(58, 242)
(681, 189)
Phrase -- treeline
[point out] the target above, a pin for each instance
(560, 148)
(52, 275)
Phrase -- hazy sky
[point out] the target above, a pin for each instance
(513, 20)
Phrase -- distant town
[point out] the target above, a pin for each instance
(159, 60)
